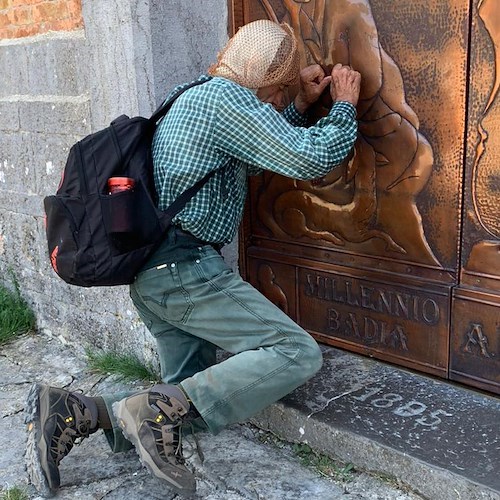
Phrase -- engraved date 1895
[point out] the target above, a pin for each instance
(416, 410)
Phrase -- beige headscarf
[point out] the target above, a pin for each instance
(261, 53)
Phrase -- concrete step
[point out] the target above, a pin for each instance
(441, 439)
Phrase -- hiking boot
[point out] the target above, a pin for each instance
(152, 421)
(55, 418)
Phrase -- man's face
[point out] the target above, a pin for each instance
(276, 95)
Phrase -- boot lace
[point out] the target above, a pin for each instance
(70, 431)
(169, 436)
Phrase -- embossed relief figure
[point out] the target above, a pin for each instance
(369, 203)
(485, 255)
(272, 290)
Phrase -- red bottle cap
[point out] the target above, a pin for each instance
(116, 184)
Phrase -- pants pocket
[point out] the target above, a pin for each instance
(164, 297)
(211, 265)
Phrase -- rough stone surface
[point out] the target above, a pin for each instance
(238, 463)
(185, 40)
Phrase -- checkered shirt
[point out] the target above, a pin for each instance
(223, 126)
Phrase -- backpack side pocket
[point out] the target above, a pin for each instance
(63, 221)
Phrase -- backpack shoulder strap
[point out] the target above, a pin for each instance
(165, 106)
(180, 202)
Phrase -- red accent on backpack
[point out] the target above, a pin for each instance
(53, 258)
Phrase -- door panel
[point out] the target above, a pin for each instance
(475, 327)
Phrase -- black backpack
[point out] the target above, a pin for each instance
(101, 239)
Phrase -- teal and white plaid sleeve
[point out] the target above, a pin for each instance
(256, 134)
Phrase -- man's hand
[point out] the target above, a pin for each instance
(312, 83)
(345, 84)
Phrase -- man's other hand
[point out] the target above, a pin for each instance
(312, 83)
(345, 84)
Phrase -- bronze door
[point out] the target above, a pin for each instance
(396, 253)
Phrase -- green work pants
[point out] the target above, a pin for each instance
(193, 303)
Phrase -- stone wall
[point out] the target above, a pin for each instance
(58, 85)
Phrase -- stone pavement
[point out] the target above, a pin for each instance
(353, 409)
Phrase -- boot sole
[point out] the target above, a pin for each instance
(33, 459)
(127, 425)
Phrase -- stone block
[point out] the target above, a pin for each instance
(24, 203)
(55, 65)
(185, 40)
(89, 317)
(46, 65)
(9, 116)
(17, 166)
(14, 74)
(32, 163)
(51, 154)
(53, 115)
(19, 242)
